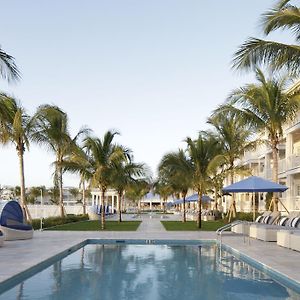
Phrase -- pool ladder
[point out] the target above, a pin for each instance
(220, 230)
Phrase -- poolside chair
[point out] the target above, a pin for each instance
(268, 233)
(243, 228)
(295, 241)
(1, 239)
(12, 222)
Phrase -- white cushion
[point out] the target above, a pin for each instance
(283, 221)
(266, 219)
(295, 222)
(258, 219)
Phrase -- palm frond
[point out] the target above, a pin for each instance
(257, 52)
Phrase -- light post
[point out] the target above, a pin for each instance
(42, 212)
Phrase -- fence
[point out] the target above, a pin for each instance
(45, 211)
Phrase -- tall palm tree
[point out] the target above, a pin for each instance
(176, 168)
(265, 106)
(8, 68)
(103, 156)
(234, 136)
(275, 54)
(78, 162)
(124, 173)
(205, 155)
(16, 127)
(163, 189)
(53, 131)
(137, 190)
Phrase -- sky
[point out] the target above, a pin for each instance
(153, 70)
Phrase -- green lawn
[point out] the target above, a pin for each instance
(96, 226)
(192, 225)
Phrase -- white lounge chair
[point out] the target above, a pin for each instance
(295, 241)
(268, 233)
(1, 239)
(12, 222)
(258, 231)
(243, 228)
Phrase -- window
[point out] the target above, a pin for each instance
(298, 190)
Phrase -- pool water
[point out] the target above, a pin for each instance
(149, 272)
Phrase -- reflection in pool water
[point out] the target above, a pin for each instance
(149, 272)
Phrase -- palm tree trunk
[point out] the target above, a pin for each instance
(199, 208)
(274, 201)
(22, 177)
(83, 198)
(184, 214)
(120, 205)
(216, 199)
(61, 196)
(102, 210)
(232, 208)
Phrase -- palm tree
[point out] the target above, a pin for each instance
(176, 168)
(205, 155)
(137, 190)
(234, 136)
(275, 54)
(78, 162)
(53, 131)
(103, 156)
(16, 127)
(8, 68)
(123, 174)
(163, 189)
(265, 106)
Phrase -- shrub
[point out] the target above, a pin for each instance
(241, 216)
(54, 221)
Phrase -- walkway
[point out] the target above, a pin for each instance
(151, 223)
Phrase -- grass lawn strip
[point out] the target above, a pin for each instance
(192, 225)
(96, 226)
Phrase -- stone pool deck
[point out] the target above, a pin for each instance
(18, 256)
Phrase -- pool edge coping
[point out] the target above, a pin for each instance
(277, 276)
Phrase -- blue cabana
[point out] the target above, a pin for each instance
(254, 184)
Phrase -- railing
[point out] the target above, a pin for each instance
(294, 161)
(220, 230)
(282, 165)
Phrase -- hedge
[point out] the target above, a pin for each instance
(54, 221)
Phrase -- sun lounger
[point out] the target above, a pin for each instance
(12, 222)
(269, 233)
(1, 239)
(243, 228)
(295, 241)
(257, 231)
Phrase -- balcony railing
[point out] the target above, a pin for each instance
(282, 165)
(294, 161)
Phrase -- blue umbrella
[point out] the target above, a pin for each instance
(255, 184)
(194, 198)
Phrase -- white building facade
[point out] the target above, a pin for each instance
(260, 163)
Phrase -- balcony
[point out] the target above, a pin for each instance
(294, 162)
(282, 165)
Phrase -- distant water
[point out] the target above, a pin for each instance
(149, 272)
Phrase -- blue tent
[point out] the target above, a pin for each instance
(255, 184)
(192, 198)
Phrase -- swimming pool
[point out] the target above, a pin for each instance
(131, 271)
